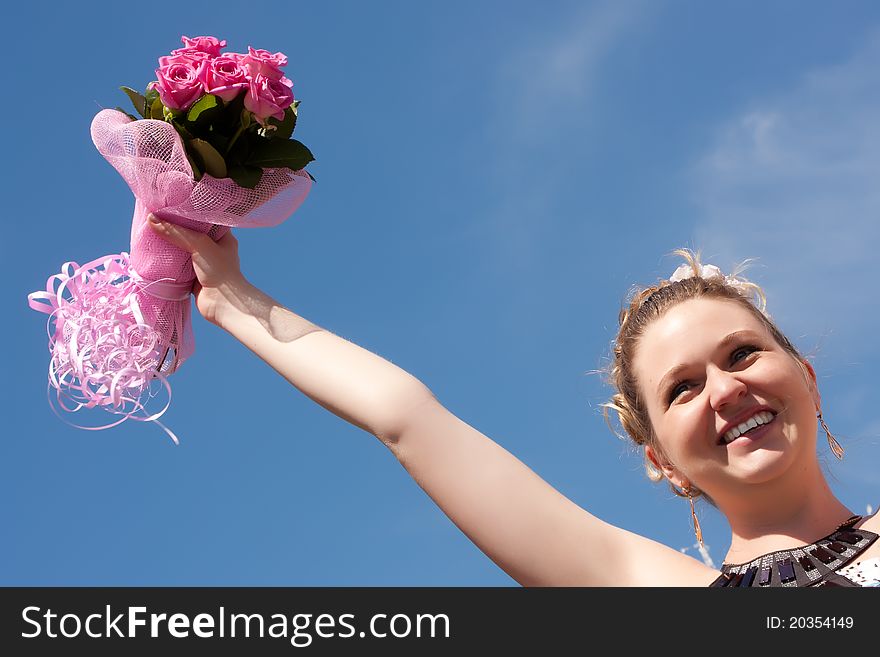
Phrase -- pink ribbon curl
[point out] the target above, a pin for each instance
(103, 353)
(121, 324)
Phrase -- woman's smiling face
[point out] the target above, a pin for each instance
(708, 369)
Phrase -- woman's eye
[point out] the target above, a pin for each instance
(678, 390)
(742, 352)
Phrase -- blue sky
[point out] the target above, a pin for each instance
(492, 178)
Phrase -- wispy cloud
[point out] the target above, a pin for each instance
(553, 77)
(543, 94)
(793, 180)
(703, 551)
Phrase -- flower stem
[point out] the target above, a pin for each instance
(234, 138)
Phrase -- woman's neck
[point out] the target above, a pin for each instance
(781, 515)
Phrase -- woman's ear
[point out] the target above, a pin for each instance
(662, 465)
(814, 386)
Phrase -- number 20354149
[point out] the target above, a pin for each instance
(810, 622)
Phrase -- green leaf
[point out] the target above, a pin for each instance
(245, 176)
(139, 102)
(185, 134)
(132, 117)
(206, 102)
(197, 173)
(157, 109)
(284, 128)
(213, 163)
(274, 153)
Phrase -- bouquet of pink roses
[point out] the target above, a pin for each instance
(212, 150)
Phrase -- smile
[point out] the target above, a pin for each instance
(747, 428)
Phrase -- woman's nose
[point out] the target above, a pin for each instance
(724, 388)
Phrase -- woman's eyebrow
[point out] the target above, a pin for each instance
(724, 343)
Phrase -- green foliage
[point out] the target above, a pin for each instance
(185, 134)
(211, 160)
(139, 102)
(131, 116)
(197, 172)
(157, 109)
(222, 138)
(274, 153)
(285, 127)
(246, 176)
(202, 106)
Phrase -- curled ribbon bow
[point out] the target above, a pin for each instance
(103, 352)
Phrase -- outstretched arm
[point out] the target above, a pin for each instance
(351, 382)
(534, 533)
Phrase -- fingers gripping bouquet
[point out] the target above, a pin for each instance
(210, 149)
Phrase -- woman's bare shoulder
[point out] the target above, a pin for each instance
(655, 564)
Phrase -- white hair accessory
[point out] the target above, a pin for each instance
(707, 271)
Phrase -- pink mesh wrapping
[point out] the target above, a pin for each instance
(120, 322)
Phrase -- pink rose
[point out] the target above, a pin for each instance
(184, 55)
(262, 62)
(179, 81)
(224, 76)
(204, 44)
(267, 97)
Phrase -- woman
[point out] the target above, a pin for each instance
(722, 403)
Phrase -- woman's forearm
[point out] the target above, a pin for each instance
(351, 382)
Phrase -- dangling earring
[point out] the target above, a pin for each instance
(832, 441)
(697, 531)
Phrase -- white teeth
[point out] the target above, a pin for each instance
(759, 418)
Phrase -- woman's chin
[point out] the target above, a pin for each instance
(763, 465)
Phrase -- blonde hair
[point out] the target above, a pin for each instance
(648, 304)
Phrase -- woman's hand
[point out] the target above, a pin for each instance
(216, 265)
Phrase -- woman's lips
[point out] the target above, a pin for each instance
(752, 436)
